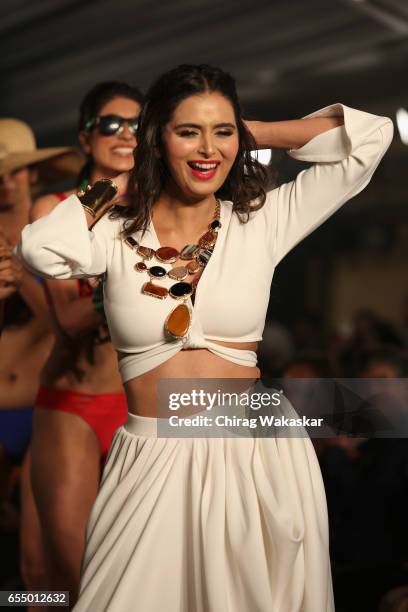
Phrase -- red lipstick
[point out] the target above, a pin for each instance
(203, 169)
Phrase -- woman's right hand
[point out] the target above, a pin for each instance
(121, 183)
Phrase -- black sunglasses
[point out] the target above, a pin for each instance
(108, 125)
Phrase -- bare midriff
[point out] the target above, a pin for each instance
(23, 351)
(141, 391)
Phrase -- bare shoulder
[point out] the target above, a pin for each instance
(45, 204)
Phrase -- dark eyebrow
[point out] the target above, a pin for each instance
(198, 127)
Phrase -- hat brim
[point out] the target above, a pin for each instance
(54, 164)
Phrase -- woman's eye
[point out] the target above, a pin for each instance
(187, 133)
(224, 133)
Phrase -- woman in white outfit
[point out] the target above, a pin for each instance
(204, 524)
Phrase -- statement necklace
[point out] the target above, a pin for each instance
(178, 322)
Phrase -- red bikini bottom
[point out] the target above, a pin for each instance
(104, 413)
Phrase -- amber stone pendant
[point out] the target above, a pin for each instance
(167, 254)
(140, 266)
(178, 322)
(188, 251)
(154, 290)
(145, 252)
(178, 273)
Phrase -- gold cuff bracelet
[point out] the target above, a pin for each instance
(96, 197)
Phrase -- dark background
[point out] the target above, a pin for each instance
(287, 57)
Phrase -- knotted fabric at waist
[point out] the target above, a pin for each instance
(135, 364)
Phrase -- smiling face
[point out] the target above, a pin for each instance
(112, 154)
(200, 144)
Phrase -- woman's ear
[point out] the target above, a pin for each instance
(84, 138)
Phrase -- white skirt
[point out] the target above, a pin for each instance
(207, 525)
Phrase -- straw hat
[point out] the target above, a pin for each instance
(18, 149)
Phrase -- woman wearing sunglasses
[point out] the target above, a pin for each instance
(203, 524)
(81, 401)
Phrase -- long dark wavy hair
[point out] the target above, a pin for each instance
(94, 101)
(247, 178)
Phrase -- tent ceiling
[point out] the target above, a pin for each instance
(287, 56)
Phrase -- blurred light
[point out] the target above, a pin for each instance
(264, 156)
(402, 124)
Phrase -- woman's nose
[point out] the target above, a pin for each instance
(207, 146)
(126, 134)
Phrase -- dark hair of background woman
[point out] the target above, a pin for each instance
(247, 178)
(94, 101)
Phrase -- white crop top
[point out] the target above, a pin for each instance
(233, 292)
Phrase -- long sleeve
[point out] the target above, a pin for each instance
(59, 245)
(344, 160)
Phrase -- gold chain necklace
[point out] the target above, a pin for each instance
(178, 322)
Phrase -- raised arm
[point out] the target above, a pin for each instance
(344, 158)
(60, 245)
(290, 134)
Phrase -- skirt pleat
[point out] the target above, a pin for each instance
(208, 525)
